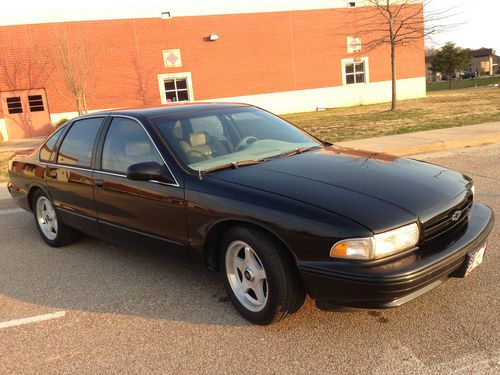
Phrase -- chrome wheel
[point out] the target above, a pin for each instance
(46, 218)
(246, 276)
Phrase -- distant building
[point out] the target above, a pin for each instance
(484, 61)
(283, 55)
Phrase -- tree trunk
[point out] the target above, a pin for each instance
(394, 105)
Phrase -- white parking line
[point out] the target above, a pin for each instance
(33, 319)
(10, 211)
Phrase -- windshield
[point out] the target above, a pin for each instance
(210, 139)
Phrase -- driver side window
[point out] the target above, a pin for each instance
(127, 143)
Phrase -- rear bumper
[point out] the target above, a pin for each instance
(383, 285)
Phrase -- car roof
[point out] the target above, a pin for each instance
(170, 109)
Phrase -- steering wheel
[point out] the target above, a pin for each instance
(195, 154)
(245, 142)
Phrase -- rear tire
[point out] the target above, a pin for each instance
(263, 283)
(50, 226)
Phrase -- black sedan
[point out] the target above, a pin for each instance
(278, 212)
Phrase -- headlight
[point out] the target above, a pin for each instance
(473, 189)
(379, 246)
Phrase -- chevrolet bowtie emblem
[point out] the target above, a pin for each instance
(456, 215)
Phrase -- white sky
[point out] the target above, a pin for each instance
(478, 20)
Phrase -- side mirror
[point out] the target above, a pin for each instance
(149, 171)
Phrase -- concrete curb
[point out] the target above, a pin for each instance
(445, 145)
(430, 140)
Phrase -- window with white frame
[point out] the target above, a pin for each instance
(175, 87)
(176, 90)
(355, 71)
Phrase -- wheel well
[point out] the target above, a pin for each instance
(31, 193)
(211, 248)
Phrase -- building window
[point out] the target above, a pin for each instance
(14, 105)
(355, 71)
(36, 103)
(175, 87)
(176, 90)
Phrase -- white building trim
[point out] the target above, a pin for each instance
(331, 97)
(3, 130)
(313, 99)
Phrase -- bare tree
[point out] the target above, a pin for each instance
(397, 23)
(75, 63)
(139, 79)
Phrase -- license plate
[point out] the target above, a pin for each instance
(475, 259)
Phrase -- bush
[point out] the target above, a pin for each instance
(60, 122)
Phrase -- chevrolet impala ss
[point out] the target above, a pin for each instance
(279, 213)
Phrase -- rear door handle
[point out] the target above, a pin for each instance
(99, 183)
(53, 173)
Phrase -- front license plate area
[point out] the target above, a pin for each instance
(474, 259)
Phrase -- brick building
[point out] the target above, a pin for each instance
(283, 55)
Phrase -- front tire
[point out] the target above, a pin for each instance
(262, 282)
(53, 231)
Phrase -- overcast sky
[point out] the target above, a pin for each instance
(479, 20)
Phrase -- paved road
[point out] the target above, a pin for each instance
(130, 310)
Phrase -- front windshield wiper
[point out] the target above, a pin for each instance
(232, 165)
(295, 151)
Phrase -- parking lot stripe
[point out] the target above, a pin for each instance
(33, 319)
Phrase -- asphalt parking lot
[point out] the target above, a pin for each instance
(93, 307)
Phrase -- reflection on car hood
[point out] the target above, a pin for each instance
(377, 190)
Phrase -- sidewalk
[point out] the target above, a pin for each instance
(20, 144)
(430, 141)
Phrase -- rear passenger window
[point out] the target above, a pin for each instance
(77, 146)
(127, 143)
(48, 147)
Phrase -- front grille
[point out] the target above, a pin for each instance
(443, 225)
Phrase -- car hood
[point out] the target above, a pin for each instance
(378, 191)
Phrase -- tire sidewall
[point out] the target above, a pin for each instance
(56, 241)
(267, 253)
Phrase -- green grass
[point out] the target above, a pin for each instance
(462, 83)
(441, 109)
(4, 158)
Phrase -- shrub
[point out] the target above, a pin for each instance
(60, 122)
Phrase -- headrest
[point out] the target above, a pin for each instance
(197, 139)
(137, 148)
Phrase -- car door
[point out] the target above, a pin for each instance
(70, 178)
(151, 209)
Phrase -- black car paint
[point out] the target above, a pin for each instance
(307, 201)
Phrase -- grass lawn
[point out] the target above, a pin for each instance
(462, 83)
(440, 109)
(4, 157)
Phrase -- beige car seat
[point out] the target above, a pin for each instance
(201, 146)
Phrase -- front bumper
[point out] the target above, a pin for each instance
(390, 284)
